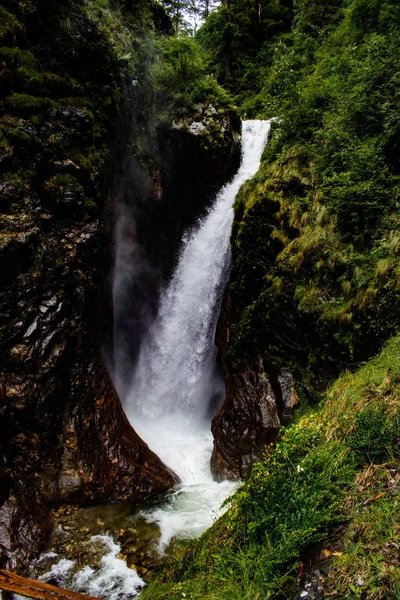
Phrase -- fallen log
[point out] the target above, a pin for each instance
(31, 588)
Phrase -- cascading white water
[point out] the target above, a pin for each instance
(175, 380)
(171, 390)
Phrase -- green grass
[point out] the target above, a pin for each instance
(333, 479)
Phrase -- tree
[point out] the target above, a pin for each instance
(188, 15)
(239, 36)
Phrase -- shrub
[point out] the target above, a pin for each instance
(375, 435)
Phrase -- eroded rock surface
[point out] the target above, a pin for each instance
(64, 436)
(254, 411)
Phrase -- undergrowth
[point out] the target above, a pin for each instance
(315, 277)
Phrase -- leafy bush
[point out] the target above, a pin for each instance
(181, 78)
(294, 496)
(238, 40)
(182, 64)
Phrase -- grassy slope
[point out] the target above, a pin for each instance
(333, 478)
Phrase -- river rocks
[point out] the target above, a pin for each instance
(255, 409)
(83, 536)
(139, 546)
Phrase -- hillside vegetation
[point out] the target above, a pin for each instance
(324, 206)
(320, 513)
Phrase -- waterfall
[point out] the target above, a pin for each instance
(171, 389)
(175, 378)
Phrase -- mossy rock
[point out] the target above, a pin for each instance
(26, 105)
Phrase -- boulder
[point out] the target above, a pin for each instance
(254, 411)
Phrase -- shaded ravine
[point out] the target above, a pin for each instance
(174, 392)
(176, 388)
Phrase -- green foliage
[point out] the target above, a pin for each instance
(375, 435)
(324, 207)
(293, 498)
(182, 82)
(9, 26)
(369, 566)
(238, 40)
(182, 64)
(26, 104)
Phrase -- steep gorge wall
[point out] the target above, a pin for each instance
(64, 436)
(70, 118)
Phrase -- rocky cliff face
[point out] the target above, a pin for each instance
(70, 118)
(256, 407)
(64, 436)
(255, 362)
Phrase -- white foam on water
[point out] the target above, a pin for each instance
(196, 503)
(112, 579)
(59, 571)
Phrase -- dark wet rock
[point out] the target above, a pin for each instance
(7, 194)
(139, 546)
(6, 155)
(287, 399)
(64, 436)
(70, 116)
(254, 411)
(72, 194)
(69, 123)
(20, 534)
